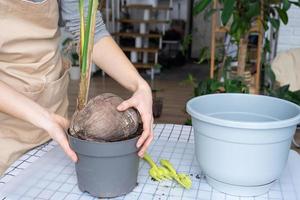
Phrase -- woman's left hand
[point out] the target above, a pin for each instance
(114, 62)
(142, 101)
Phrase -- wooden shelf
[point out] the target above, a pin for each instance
(149, 16)
(143, 65)
(139, 21)
(133, 34)
(148, 50)
(162, 7)
(148, 7)
(138, 6)
(224, 29)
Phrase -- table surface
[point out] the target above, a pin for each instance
(46, 173)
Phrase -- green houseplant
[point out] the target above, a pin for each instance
(240, 17)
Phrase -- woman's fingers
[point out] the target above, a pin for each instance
(67, 149)
(125, 105)
(147, 135)
(146, 129)
(145, 146)
(142, 101)
(58, 134)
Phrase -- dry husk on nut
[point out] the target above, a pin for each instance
(100, 120)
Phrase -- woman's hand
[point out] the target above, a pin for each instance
(57, 128)
(142, 101)
(113, 61)
(21, 107)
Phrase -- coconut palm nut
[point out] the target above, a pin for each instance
(100, 120)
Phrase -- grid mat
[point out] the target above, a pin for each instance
(46, 173)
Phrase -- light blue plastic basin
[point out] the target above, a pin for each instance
(242, 141)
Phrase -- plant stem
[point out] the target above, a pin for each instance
(86, 39)
(242, 55)
(88, 43)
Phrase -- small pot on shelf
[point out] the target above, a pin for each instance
(75, 73)
(157, 105)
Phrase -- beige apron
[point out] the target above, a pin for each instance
(30, 62)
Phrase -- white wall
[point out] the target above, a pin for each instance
(183, 12)
(201, 34)
(289, 35)
(153, 2)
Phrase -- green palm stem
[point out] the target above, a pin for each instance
(87, 47)
(82, 27)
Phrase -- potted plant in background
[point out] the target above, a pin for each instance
(240, 17)
(71, 57)
(75, 70)
(103, 138)
(157, 106)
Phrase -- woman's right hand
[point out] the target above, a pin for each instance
(16, 104)
(57, 128)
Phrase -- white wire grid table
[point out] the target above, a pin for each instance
(46, 173)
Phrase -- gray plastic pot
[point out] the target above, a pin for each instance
(106, 169)
(242, 141)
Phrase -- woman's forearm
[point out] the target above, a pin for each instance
(15, 104)
(21, 107)
(108, 55)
